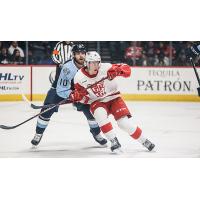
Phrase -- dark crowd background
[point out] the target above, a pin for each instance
(135, 53)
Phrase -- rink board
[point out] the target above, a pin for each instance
(145, 83)
(127, 97)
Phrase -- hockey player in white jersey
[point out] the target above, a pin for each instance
(104, 98)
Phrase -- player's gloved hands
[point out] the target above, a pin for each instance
(77, 95)
(118, 70)
(113, 71)
(192, 52)
(125, 70)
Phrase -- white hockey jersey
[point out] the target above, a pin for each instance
(103, 91)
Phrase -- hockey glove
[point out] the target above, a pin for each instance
(76, 95)
(193, 51)
(118, 70)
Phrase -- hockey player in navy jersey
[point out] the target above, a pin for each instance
(60, 90)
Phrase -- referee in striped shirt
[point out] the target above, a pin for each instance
(62, 52)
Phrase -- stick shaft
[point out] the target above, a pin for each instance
(48, 109)
(195, 70)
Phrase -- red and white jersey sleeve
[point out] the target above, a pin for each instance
(103, 91)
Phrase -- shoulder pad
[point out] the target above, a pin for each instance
(68, 61)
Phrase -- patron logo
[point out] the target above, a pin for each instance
(10, 77)
(159, 85)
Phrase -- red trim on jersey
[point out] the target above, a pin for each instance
(137, 133)
(97, 104)
(80, 88)
(83, 92)
(85, 99)
(117, 107)
(83, 70)
(106, 128)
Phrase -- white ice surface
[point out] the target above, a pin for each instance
(173, 126)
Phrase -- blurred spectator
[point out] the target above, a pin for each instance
(16, 58)
(1, 46)
(161, 60)
(46, 60)
(40, 50)
(114, 51)
(133, 54)
(170, 52)
(181, 59)
(117, 50)
(179, 46)
(4, 56)
(160, 49)
(144, 60)
(150, 53)
(14, 46)
(31, 58)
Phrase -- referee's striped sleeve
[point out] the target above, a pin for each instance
(61, 53)
(55, 54)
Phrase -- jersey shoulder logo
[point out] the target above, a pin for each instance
(66, 71)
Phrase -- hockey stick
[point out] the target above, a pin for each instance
(197, 75)
(50, 108)
(49, 105)
(33, 105)
(65, 101)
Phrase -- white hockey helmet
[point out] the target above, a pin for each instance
(92, 56)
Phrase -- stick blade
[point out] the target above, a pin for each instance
(25, 99)
(35, 106)
(198, 89)
(31, 104)
(6, 127)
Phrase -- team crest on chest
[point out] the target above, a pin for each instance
(99, 89)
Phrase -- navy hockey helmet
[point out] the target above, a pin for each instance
(78, 48)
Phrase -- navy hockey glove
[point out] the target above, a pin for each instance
(193, 51)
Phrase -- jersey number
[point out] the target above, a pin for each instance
(63, 82)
